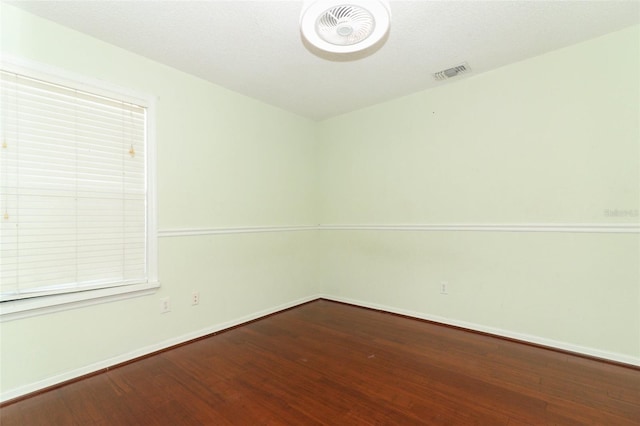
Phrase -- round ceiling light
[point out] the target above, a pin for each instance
(345, 26)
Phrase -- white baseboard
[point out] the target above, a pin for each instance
(583, 350)
(110, 362)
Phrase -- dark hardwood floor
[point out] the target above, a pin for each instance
(326, 363)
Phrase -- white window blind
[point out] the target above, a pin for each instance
(73, 190)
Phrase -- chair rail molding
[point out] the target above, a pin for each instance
(588, 228)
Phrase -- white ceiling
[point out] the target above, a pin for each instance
(255, 48)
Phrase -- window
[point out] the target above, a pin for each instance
(75, 192)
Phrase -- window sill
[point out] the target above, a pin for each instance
(25, 308)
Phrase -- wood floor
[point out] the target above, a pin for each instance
(326, 363)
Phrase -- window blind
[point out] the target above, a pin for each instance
(73, 190)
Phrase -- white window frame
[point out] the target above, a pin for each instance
(23, 308)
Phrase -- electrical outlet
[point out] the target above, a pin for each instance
(195, 297)
(165, 305)
(444, 287)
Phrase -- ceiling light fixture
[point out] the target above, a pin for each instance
(344, 26)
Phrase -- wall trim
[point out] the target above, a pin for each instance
(104, 365)
(13, 395)
(588, 228)
(632, 228)
(188, 232)
(522, 337)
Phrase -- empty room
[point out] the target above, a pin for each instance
(320, 212)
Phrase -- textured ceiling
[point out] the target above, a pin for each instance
(255, 48)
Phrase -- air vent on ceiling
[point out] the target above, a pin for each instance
(452, 72)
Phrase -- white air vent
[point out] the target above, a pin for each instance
(452, 72)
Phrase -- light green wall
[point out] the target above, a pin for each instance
(224, 160)
(550, 139)
(554, 139)
(572, 291)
